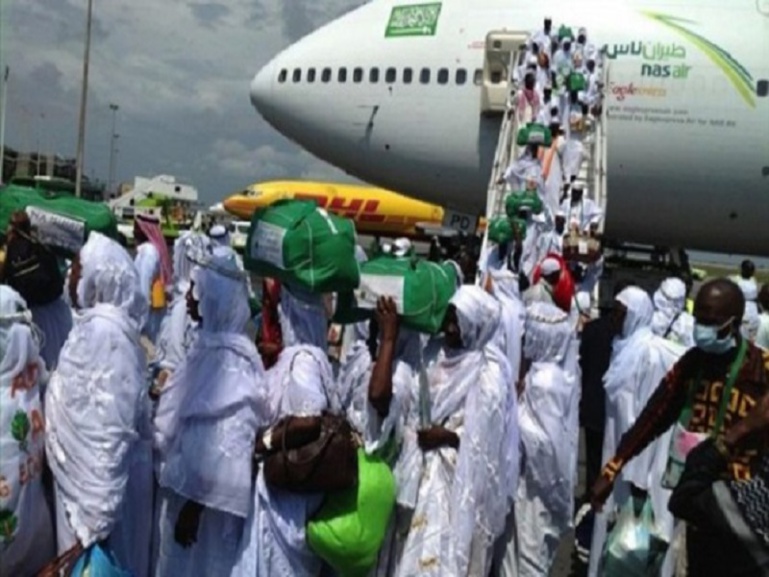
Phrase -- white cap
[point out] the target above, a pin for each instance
(550, 266)
(217, 231)
(532, 60)
(582, 31)
(401, 247)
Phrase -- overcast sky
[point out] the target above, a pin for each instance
(179, 71)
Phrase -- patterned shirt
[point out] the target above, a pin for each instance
(666, 404)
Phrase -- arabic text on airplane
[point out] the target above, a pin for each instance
(649, 50)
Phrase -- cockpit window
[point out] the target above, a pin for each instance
(357, 75)
(297, 75)
(424, 76)
(282, 76)
(326, 75)
(408, 75)
(443, 76)
(373, 75)
(310, 75)
(461, 76)
(342, 75)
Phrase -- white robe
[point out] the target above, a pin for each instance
(30, 543)
(274, 544)
(640, 360)
(762, 340)
(458, 513)
(97, 413)
(205, 427)
(583, 215)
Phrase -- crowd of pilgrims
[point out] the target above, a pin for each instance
(142, 425)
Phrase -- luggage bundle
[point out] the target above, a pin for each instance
(302, 245)
(534, 133)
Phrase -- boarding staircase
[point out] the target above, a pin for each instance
(503, 50)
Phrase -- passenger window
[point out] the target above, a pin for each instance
(424, 76)
(311, 75)
(408, 76)
(282, 76)
(357, 75)
(762, 88)
(297, 74)
(461, 76)
(478, 77)
(326, 75)
(443, 76)
(391, 75)
(373, 75)
(342, 75)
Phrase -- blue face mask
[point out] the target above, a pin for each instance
(706, 339)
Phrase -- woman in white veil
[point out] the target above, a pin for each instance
(459, 506)
(98, 438)
(205, 426)
(26, 539)
(671, 320)
(549, 436)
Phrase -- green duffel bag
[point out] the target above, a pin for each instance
(301, 244)
(576, 82)
(527, 199)
(501, 230)
(349, 529)
(565, 32)
(421, 289)
(534, 133)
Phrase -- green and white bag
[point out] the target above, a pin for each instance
(301, 244)
(420, 289)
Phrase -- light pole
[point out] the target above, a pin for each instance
(83, 101)
(114, 108)
(2, 121)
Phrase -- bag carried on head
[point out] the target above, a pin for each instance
(32, 270)
(301, 244)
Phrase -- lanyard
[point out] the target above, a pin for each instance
(734, 371)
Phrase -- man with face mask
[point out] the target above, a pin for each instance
(525, 168)
(542, 37)
(721, 361)
(582, 214)
(528, 100)
(583, 47)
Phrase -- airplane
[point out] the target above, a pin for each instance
(375, 211)
(391, 93)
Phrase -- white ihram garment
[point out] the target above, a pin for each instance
(29, 543)
(97, 414)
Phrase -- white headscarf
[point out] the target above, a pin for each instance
(670, 318)
(302, 318)
(22, 439)
(189, 247)
(482, 375)
(214, 403)
(548, 334)
(97, 403)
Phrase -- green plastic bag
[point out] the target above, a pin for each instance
(501, 230)
(421, 289)
(349, 529)
(301, 244)
(576, 82)
(527, 199)
(61, 220)
(534, 133)
(565, 32)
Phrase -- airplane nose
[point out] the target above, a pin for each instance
(261, 87)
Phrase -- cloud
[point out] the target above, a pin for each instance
(179, 71)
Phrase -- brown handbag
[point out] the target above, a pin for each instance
(329, 463)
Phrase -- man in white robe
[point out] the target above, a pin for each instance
(582, 213)
(219, 235)
(640, 359)
(542, 291)
(98, 438)
(205, 427)
(525, 168)
(155, 271)
(26, 528)
(671, 320)
(459, 461)
(762, 339)
(548, 417)
(542, 36)
(301, 384)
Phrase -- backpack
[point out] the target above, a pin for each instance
(32, 270)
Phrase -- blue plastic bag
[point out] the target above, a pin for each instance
(96, 561)
(634, 547)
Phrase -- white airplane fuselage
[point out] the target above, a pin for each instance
(688, 130)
